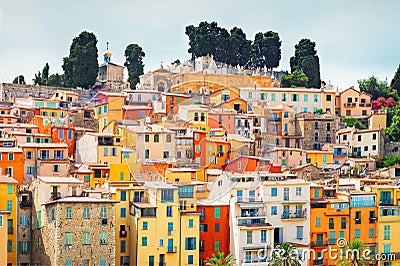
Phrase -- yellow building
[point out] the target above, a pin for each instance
(8, 202)
(388, 226)
(109, 112)
(165, 225)
(119, 172)
(3, 235)
(319, 157)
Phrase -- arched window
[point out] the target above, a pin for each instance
(169, 138)
(156, 138)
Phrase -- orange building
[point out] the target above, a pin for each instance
(11, 160)
(174, 100)
(329, 221)
(214, 153)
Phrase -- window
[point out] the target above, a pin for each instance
(68, 238)
(298, 191)
(123, 212)
(69, 132)
(328, 98)
(332, 238)
(190, 259)
(103, 212)
(113, 151)
(216, 245)
(343, 223)
(249, 237)
(9, 246)
(371, 233)
(58, 154)
(56, 168)
(299, 232)
(86, 238)
(315, 98)
(168, 138)
(274, 210)
(151, 260)
(316, 193)
(217, 213)
(191, 222)
(146, 153)
(263, 236)
(29, 155)
(103, 262)
(167, 195)
(156, 138)
(190, 243)
(170, 226)
(386, 248)
(11, 156)
(123, 196)
(68, 262)
(146, 138)
(305, 98)
(357, 233)
(324, 158)
(274, 192)
(331, 223)
(68, 213)
(386, 232)
(105, 152)
(122, 246)
(24, 220)
(161, 242)
(374, 147)
(283, 97)
(317, 221)
(169, 211)
(295, 97)
(359, 137)
(60, 134)
(273, 96)
(103, 238)
(86, 212)
(166, 154)
(9, 188)
(216, 228)
(203, 227)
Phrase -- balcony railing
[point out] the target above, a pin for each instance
(250, 221)
(293, 216)
(350, 104)
(339, 153)
(319, 244)
(249, 199)
(386, 202)
(25, 204)
(365, 104)
(255, 260)
(172, 249)
(372, 220)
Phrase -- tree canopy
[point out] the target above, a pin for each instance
(306, 60)
(134, 62)
(232, 47)
(285, 254)
(296, 78)
(219, 260)
(20, 79)
(81, 66)
(395, 83)
(376, 88)
(56, 80)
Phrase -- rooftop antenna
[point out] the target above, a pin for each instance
(107, 44)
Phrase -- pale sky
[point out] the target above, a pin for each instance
(355, 39)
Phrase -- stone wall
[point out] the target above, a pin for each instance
(8, 91)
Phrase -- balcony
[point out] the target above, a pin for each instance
(274, 119)
(319, 244)
(255, 260)
(386, 202)
(172, 249)
(350, 104)
(122, 233)
(106, 142)
(253, 221)
(365, 104)
(25, 204)
(339, 153)
(372, 220)
(289, 216)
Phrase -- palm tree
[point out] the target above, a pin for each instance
(219, 260)
(285, 254)
(354, 254)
